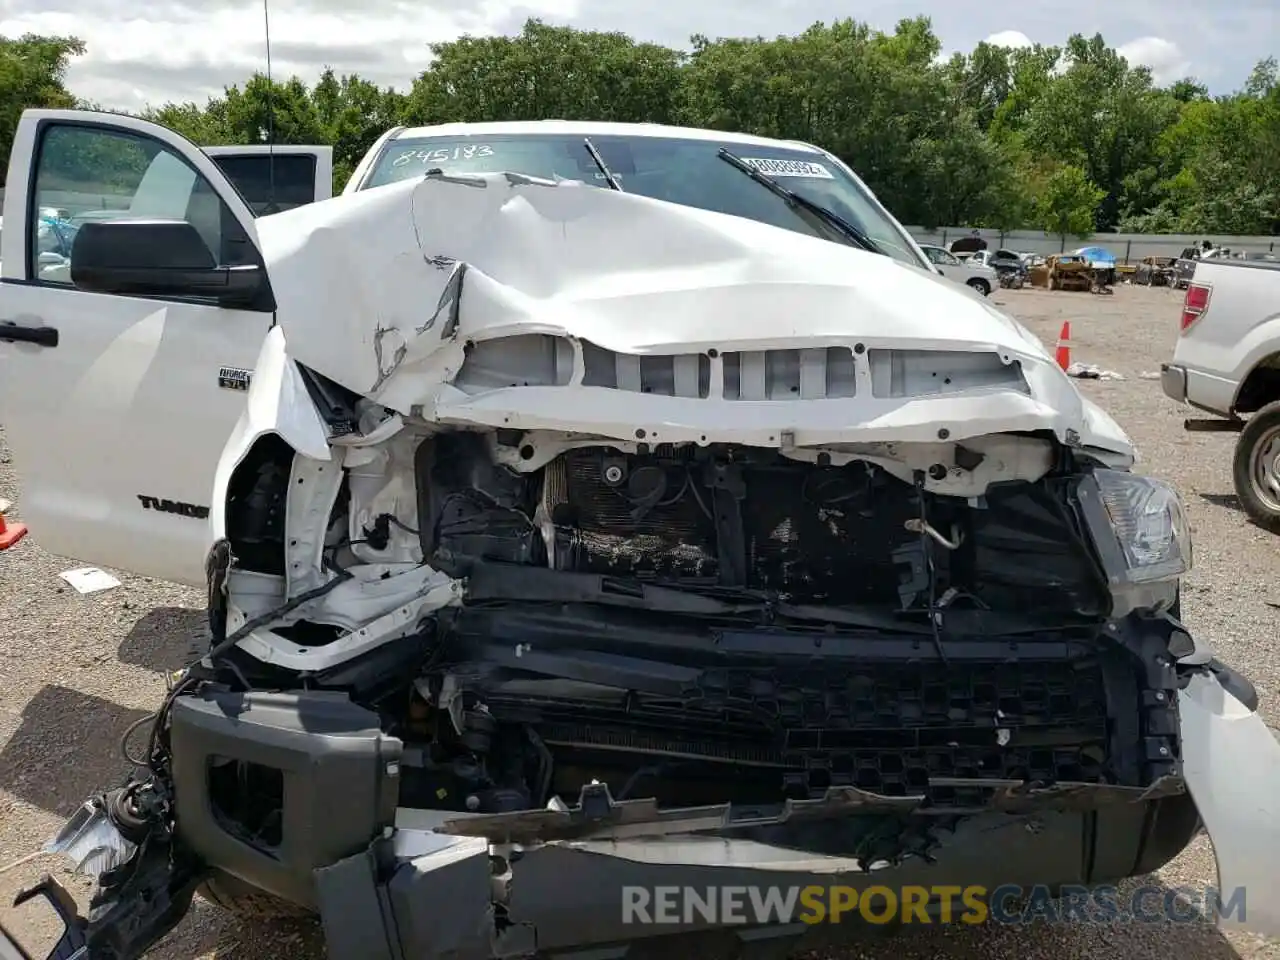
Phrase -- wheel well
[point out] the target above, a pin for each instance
(1260, 387)
(255, 505)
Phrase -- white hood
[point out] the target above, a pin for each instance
(367, 289)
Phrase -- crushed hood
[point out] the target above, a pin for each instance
(386, 290)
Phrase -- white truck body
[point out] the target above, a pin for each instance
(150, 389)
(1226, 360)
(1227, 363)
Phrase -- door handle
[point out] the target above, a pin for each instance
(40, 336)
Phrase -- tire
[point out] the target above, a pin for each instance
(246, 902)
(1258, 446)
(981, 286)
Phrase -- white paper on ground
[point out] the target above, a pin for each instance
(89, 579)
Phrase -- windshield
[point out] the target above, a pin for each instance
(688, 172)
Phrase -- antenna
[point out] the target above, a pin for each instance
(271, 113)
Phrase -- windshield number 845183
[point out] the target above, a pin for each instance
(469, 151)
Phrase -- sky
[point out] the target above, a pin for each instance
(190, 49)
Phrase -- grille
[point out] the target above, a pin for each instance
(892, 728)
(888, 728)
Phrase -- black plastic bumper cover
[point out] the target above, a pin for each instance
(561, 900)
(337, 776)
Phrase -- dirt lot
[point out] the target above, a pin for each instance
(75, 672)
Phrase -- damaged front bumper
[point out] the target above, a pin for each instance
(435, 884)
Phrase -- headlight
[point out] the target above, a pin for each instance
(1150, 525)
(1139, 529)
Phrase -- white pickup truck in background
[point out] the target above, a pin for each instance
(276, 178)
(1227, 363)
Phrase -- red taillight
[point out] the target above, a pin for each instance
(1194, 304)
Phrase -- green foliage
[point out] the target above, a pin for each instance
(1068, 139)
(32, 69)
(1066, 202)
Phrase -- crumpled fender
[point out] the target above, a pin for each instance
(1231, 763)
(278, 403)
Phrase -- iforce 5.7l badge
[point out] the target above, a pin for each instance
(234, 378)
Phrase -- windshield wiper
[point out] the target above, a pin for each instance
(599, 161)
(795, 201)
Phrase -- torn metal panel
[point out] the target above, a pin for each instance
(597, 816)
(698, 309)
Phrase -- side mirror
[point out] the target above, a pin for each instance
(158, 258)
(71, 940)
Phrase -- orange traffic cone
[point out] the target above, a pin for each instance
(10, 533)
(1063, 354)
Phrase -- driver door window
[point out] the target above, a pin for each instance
(94, 173)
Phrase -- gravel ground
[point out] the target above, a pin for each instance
(78, 670)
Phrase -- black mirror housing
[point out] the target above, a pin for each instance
(161, 258)
(73, 941)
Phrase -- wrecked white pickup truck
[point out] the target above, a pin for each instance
(573, 540)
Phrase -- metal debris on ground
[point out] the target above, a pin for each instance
(1090, 371)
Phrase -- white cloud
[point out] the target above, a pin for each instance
(189, 53)
(1164, 57)
(1010, 38)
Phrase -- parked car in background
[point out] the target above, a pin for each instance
(1185, 265)
(968, 245)
(1007, 264)
(972, 274)
(1155, 271)
(1226, 362)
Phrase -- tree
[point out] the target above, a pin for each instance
(993, 137)
(353, 113)
(1066, 203)
(32, 74)
(347, 112)
(547, 72)
(1101, 115)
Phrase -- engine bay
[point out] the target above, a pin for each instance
(722, 520)
(707, 624)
